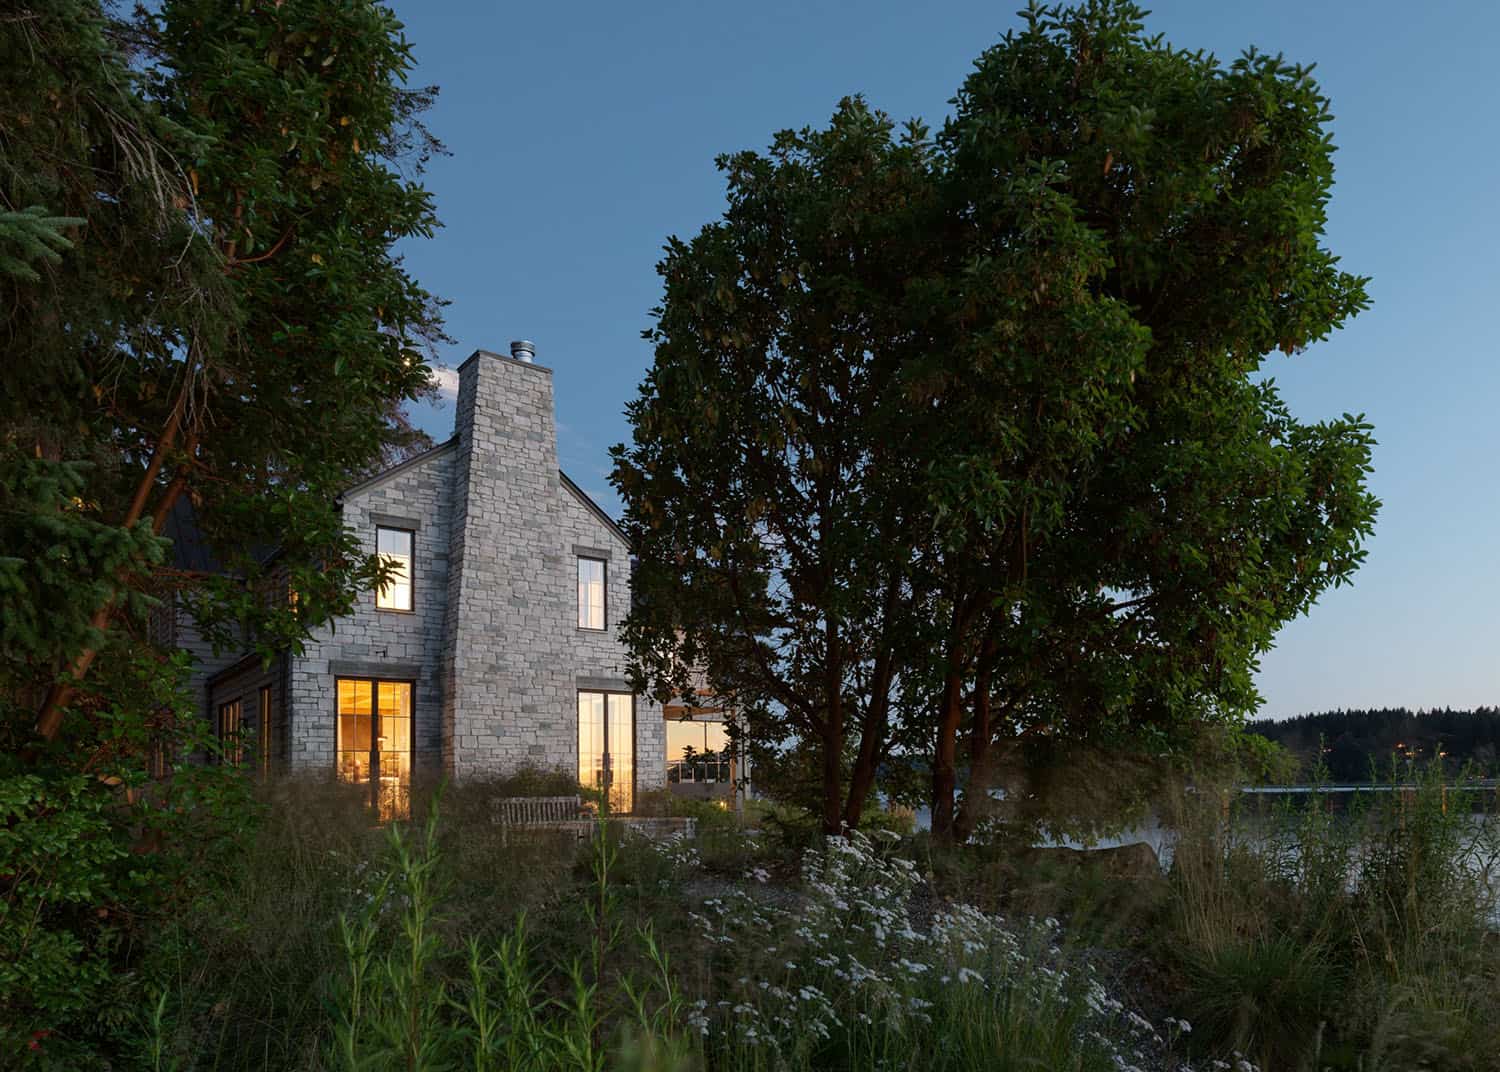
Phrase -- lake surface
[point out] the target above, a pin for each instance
(1483, 833)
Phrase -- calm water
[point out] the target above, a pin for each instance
(1482, 859)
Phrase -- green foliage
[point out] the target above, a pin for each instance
(62, 562)
(203, 305)
(969, 437)
(1336, 934)
(94, 857)
(1264, 996)
(1358, 745)
(33, 235)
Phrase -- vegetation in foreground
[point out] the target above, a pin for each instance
(1296, 940)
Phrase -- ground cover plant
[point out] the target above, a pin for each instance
(1328, 933)
(1293, 939)
(331, 943)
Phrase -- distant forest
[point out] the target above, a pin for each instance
(1352, 742)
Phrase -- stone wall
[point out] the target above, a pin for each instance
(599, 658)
(382, 643)
(510, 699)
(517, 657)
(493, 641)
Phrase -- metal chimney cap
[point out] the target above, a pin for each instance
(523, 350)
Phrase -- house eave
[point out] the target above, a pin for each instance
(395, 470)
(595, 509)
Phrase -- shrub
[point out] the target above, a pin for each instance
(94, 854)
(1263, 996)
(1361, 936)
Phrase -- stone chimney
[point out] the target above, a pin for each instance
(505, 703)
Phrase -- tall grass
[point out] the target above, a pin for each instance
(338, 946)
(1301, 939)
(1362, 938)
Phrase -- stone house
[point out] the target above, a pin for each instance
(498, 647)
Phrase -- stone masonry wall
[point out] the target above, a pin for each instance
(510, 698)
(493, 643)
(599, 658)
(382, 643)
(517, 657)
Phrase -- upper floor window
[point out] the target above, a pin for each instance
(590, 593)
(395, 546)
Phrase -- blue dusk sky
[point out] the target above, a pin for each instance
(582, 135)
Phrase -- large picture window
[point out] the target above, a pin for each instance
(606, 746)
(591, 593)
(374, 741)
(395, 546)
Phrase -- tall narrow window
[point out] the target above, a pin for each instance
(229, 733)
(374, 741)
(606, 746)
(263, 731)
(591, 593)
(395, 546)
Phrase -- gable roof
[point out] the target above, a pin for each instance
(400, 467)
(594, 508)
(190, 551)
(567, 482)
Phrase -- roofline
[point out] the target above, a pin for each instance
(598, 511)
(532, 365)
(400, 467)
(243, 663)
(567, 481)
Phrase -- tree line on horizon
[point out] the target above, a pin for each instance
(1369, 744)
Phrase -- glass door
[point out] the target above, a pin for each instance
(374, 741)
(606, 746)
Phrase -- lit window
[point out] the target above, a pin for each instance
(698, 750)
(591, 593)
(229, 733)
(394, 546)
(373, 740)
(263, 731)
(606, 747)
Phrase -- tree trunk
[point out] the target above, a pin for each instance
(875, 723)
(944, 773)
(833, 735)
(980, 734)
(833, 792)
(950, 717)
(60, 694)
(871, 741)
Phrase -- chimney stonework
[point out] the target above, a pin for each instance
(506, 688)
(514, 656)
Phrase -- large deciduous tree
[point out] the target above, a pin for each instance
(1062, 477)
(764, 498)
(202, 299)
(199, 300)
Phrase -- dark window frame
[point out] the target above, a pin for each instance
(411, 570)
(264, 732)
(603, 590)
